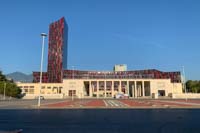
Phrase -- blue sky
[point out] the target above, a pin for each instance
(144, 34)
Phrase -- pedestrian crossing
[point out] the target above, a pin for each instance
(113, 103)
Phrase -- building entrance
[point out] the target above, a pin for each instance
(161, 92)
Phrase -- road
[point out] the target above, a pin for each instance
(101, 120)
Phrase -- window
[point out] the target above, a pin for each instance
(60, 88)
(72, 92)
(48, 87)
(31, 91)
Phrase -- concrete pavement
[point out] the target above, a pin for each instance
(100, 103)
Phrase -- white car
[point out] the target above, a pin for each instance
(121, 95)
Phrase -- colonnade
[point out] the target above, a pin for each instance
(131, 88)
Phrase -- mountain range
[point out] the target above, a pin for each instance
(20, 77)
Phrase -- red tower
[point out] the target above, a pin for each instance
(57, 51)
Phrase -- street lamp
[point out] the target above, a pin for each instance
(41, 65)
(184, 87)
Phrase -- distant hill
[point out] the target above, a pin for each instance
(20, 77)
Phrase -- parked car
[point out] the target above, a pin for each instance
(121, 96)
(126, 96)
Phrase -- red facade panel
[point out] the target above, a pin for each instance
(36, 77)
(143, 74)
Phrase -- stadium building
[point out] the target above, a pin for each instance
(60, 82)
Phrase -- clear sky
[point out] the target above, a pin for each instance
(144, 34)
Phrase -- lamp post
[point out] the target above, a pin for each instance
(184, 87)
(41, 65)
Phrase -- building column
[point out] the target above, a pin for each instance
(135, 88)
(143, 93)
(120, 87)
(127, 87)
(97, 89)
(90, 89)
(150, 88)
(105, 88)
(112, 89)
(133, 91)
(138, 89)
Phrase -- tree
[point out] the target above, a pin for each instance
(11, 88)
(2, 77)
(193, 86)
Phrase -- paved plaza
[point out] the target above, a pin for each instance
(100, 103)
(124, 103)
